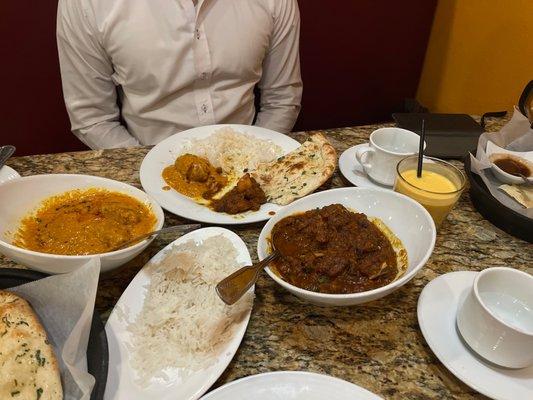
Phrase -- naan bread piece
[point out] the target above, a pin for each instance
(29, 369)
(299, 172)
(522, 194)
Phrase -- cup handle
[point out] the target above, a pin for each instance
(364, 155)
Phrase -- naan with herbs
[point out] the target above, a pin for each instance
(28, 366)
(299, 172)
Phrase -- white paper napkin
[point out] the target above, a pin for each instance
(516, 135)
(65, 304)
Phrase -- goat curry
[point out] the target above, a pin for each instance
(334, 250)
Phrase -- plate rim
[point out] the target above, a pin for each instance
(190, 235)
(99, 334)
(431, 343)
(214, 217)
(287, 372)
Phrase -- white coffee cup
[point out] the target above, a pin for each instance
(496, 317)
(386, 148)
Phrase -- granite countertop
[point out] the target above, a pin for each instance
(378, 345)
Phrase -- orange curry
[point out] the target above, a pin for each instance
(82, 222)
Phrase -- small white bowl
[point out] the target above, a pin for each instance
(494, 319)
(21, 196)
(505, 177)
(407, 219)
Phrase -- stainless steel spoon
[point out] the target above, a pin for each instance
(527, 182)
(6, 152)
(178, 228)
(234, 286)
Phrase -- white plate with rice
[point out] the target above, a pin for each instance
(170, 336)
(218, 143)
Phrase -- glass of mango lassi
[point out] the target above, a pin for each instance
(438, 189)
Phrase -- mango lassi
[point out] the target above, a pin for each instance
(429, 181)
(438, 189)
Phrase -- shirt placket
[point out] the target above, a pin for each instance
(203, 69)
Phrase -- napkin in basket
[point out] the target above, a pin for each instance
(516, 136)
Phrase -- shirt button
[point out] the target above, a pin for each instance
(198, 34)
(204, 108)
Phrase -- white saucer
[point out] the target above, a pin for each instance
(437, 310)
(7, 174)
(353, 171)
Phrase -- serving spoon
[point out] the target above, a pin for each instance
(183, 228)
(526, 180)
(6, 152)
(234, 286)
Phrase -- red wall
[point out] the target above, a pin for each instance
(360, 59)
(32, 111)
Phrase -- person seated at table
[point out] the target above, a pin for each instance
(136, 72)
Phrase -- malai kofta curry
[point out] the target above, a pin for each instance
(82, 222)
(335, 250)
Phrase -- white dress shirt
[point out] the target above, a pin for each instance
(175, 65)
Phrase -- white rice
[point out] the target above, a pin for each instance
(183, 323)
(233, 151)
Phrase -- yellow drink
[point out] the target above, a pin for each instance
(438, 189)
(429, 181)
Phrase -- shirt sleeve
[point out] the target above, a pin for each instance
(281, 82)
(86, 70)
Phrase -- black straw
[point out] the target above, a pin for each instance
(421, 149)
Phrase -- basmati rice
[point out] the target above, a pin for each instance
(183, 323)
(233, 151)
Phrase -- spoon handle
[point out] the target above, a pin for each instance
(6, 152)
(234, 286)
(181, 228)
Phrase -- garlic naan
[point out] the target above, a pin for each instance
(299, 172)
(29, 369)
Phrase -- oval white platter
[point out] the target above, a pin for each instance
(166, 152)
(121, 383)
(290, 385)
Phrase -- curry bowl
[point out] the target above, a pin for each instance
(21, 197)
(403, 217)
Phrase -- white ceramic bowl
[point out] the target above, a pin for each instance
(409, 221)
(505, 177)
(495, 318)
(21, 196)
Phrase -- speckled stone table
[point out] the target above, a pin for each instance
(378, 346)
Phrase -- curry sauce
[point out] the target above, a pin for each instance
(333, 250)
(82, 222)
(194, 177)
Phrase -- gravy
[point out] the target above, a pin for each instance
(82, 222)
(513, 166)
